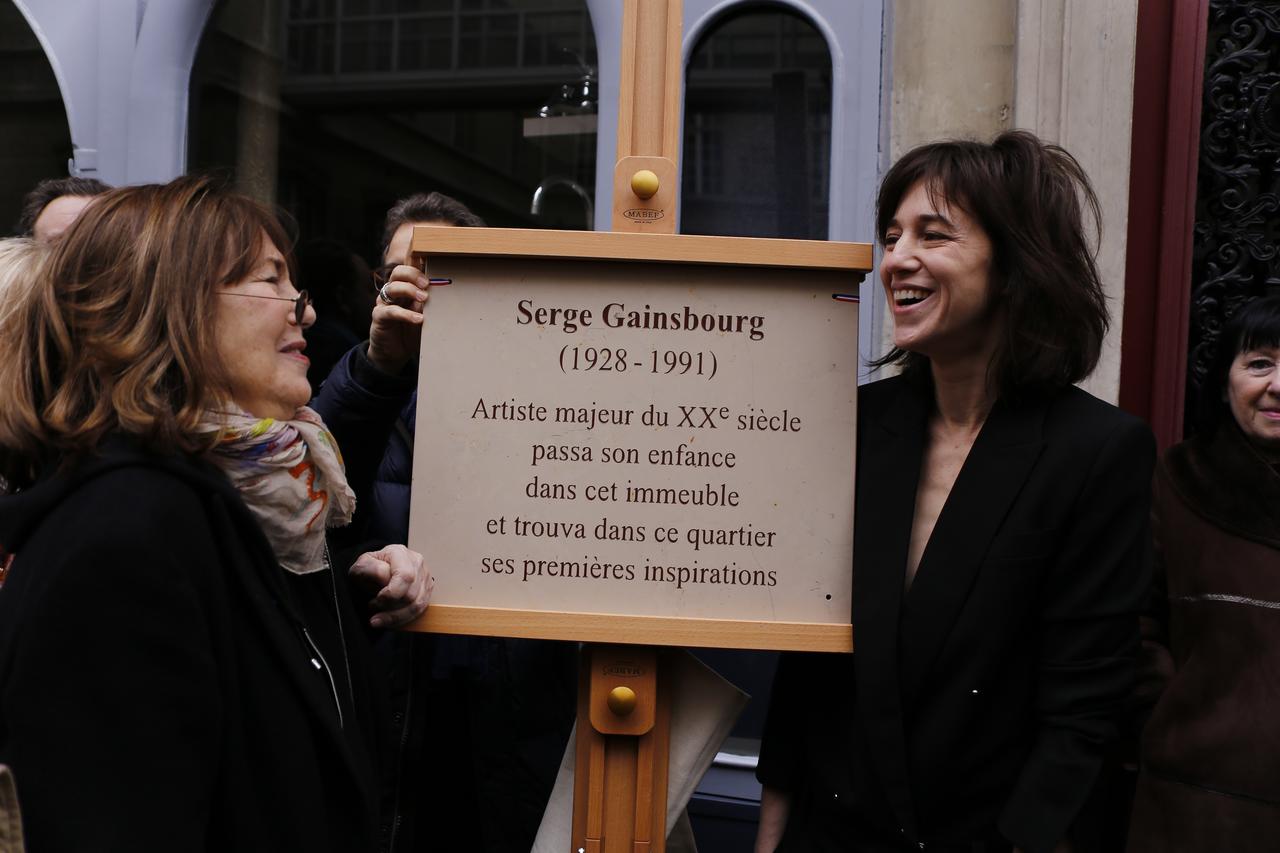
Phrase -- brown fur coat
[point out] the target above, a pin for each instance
(1210, 778)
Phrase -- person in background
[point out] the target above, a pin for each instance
(1001, 545)
(338, 281)
(182, 667)
(53, 204)
(482, 722)
(1210, 771)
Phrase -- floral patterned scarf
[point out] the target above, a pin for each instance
(291, 476)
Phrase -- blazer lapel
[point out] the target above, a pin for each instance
(888, 469)
(998, 464)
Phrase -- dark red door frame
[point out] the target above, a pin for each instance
(1167, 85)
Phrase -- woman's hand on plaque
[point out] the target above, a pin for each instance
(401, 584)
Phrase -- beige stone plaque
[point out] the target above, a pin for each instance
(622, 450)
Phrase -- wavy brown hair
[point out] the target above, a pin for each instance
(118, 335)
(1033, 201)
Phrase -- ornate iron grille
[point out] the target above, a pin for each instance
(1236, 256)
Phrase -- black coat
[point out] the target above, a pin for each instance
(476, 721)
(976, 707)
(162, 684)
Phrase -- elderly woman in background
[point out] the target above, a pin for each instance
(1001, 534)
(180, 666)
(1210, 776)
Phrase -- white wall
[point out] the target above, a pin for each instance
(1074, 86)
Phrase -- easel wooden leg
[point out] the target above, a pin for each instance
(624, 703)
(624, 729)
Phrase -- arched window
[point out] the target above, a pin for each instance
(336, 108)
(35, 140)
(757, 127)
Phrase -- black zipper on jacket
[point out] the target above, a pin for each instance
(323, 664)
(337, 614)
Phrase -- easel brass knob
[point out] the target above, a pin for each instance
(622, 701)
(644, 184)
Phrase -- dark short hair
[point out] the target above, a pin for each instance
(1254, 325)
(1030, 198)
(427, 207)
(34, 202)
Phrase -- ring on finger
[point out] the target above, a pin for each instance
(382, 293)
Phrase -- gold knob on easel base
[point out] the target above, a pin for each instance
(644, 184)
(622, 701)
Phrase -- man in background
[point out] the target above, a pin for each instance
(480, 723)
(53, 204)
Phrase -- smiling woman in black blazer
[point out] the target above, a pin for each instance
(1001, 534)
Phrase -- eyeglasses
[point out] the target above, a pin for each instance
(300, 302)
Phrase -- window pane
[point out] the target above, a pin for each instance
(304, 9)
(411, 6)
(366, 46)
(311, 48)
(357, 8)
(757, 129)
(425, 43)
(551, 38)
(489, 41)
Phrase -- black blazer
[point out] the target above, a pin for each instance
(976, 706)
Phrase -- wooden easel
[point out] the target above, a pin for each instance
(624, 696)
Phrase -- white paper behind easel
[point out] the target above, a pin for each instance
(704, 709)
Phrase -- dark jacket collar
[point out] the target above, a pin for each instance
(1224, 480)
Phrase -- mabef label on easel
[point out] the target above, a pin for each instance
(624, 438)
(643, 214)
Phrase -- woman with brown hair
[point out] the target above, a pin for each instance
(180, 666)
(1001, 537)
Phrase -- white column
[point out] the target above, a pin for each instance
(159, 88)
(124, 68)
(1074, 86)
